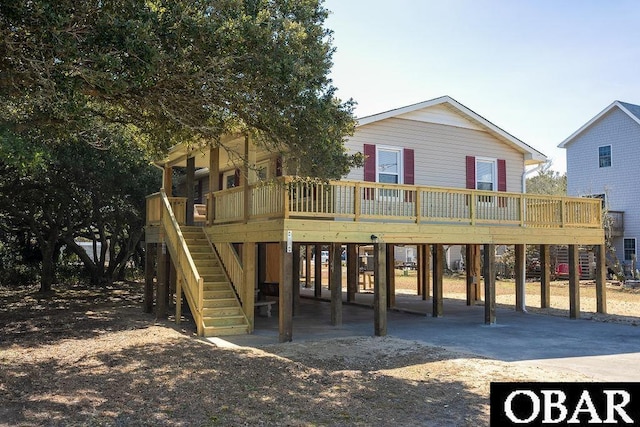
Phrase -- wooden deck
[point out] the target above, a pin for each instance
(354, 212)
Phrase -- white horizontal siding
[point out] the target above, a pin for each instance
(440, 150)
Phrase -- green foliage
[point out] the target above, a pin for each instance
(548, 182)
(55, 193)
(171, 71)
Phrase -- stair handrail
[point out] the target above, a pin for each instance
(181, 254)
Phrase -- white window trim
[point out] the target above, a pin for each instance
(610, 156)
(266, 165)
(226, 175)
(400, 152)
(494, 184)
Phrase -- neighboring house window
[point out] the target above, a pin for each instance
(604, 156)
(598, 196)
(629, 249)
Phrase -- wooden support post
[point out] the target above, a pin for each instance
(477, 269)
(249, 276)
(601, 279)
(178, 301)
(419, 269)
(574, 282)
(285, 299)
(380, 290)
(173, 281)
(391, 276)
(352, 272)
(189, 182)
(470, 273)
(295, 273)
(149, 258)
(161, 295)
(167, 180)
(248, 176)
(307, 265)
(438, 268)
(214, 181)
(424, 273)
(317, 277)
(489, 284)
(545, 276)
(521, 281)
(335, 279)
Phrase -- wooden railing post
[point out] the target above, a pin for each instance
(287, 197)
(472, 207)
(418, 201)
(357, 202)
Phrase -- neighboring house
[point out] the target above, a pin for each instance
(603, 161)
(436, 175)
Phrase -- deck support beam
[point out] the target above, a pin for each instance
(352, 272)
(574, 282)
(601, 279)
(521, 278)
(295, 276)
(307, 265)
(438, 268)
(472, 268)
(285, 298)
(167, 180)
(424, 267)
(149, 258)
(178, 301)
(335, 280)
(391, 276)
(249, 276)
(163, 285)
(545, 276)
(489, 284)
(317, 276)
(380, 290)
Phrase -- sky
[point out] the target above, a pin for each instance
(539, 69)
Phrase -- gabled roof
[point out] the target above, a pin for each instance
(631, 110)
(532, 156)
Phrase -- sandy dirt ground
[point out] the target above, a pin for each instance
(83, 356)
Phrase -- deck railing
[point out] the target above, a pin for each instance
(367, 201)
(193, 284)
(154, 208)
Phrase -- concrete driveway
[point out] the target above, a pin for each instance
(604, 351)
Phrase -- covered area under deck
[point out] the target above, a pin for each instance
(287, 214)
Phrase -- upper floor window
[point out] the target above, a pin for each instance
(629, 249)
(604, 156)
(485, 174)
(388, 168)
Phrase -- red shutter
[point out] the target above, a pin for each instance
(370, 162)
(279, 166)
(502, 175)
(409, 175)
(471, 172)
(409, 172)
(369, 168)
(502, 181)
(236, 178)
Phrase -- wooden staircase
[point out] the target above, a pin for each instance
(222, 312)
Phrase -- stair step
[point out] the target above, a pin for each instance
(224, 321)
(219, 302)
(222, 311)
(212, 331)
(228, 293)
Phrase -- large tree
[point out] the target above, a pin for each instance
(178, 71)
(548, 181)
(58, 193)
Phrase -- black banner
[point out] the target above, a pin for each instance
(565, 404)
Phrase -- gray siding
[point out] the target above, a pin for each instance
(621, 181)
(440, 150)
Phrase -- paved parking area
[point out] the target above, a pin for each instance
(604, 351)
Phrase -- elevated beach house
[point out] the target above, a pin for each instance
(436, 173)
